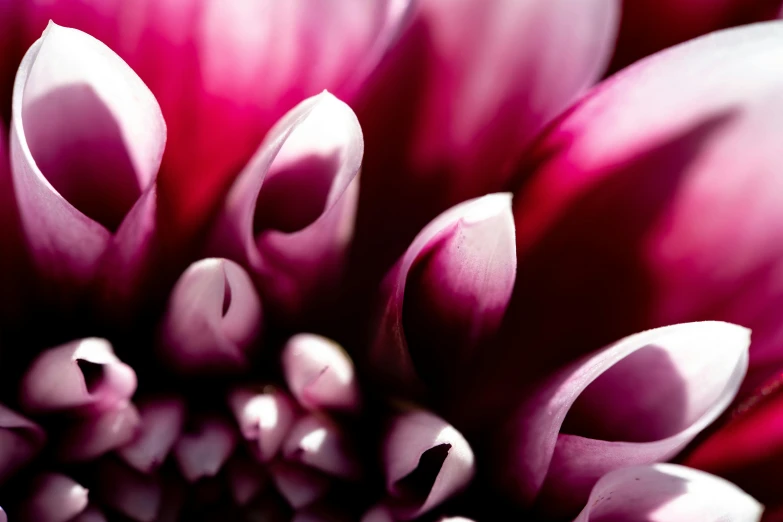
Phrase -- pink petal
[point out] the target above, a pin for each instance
(667, 493)
(213, 318)
(90, 438)
(246, 479)
(651, 203)
(127, 491)
(83, 375)
(20, 441)
(378, 514)
(447, 295)
(264, 416)
(426, 461)
(320, 374)
(201, 452)
(83, 123)
(289, 215)
(638, 401)
(298, 485)
(91, 514)
(651, 25)
(54, 498)
(160, 426)
(446, 114)
(316, 441)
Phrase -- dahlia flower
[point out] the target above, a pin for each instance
(449, 260)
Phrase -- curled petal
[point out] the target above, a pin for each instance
(160, 425)
(290, 214)
(426, 461)
(639, 401)
(667, 493)
(127, 491)
(647, 157)
(448, 293)
(83, 124)
(445, 115)
(83, 375)
(298, 485)
(91, 437)
(317, 442)
(320, 374)
(20, 441)
(213, 318)
(264, 416)
(202, 451)
(54, 498)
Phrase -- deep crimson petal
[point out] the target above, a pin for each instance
(651, 202)
(289, 216)
(639, 401)
(667, 493)
(446, 114)
(83, 122)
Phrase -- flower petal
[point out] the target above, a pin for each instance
(54, 498)
(160, 426)
(639, 401)
(212, 320)
(426, 461)
(316, 441)
(289, 216)
(90, 438)
(320, 374)
(265, 416)
(83, 123)
(656, 193)
(246, 479)
(447, 295)
(667, 493)
(84, 375)
(202, 451)
(445, 115)
(300, 486)
(127, 491)
(20, 441)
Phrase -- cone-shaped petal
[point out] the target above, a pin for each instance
(93, 436)
(213, 318)
(316, 441)
(53, 498)
(160, 426)
(300, 486)
(264, 416)
(426, 461)
(20, 441)
(83, 375)
(202, 451)
(445, 114)
(204, 60)
(651, 25)
(246, 479)
(675, 160)
(320, 374)
(667, 493)
(87, 138)
(447, 295)
(638, 401)
(290, 214)
(127, 491)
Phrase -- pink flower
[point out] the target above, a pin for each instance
(389, 260)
